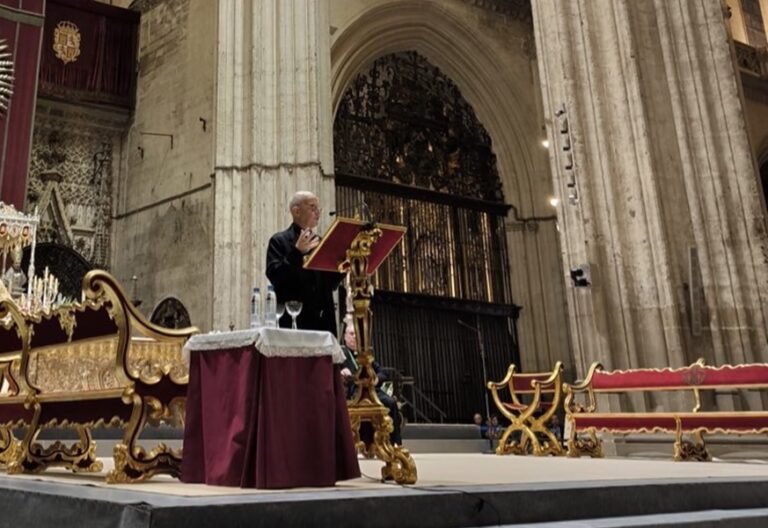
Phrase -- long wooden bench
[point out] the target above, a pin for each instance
(585, 420)
(81, 367)
(534, 397)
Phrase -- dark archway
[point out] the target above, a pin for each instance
(764, 177)
(171, 313)
(65, 263)
(408, 145)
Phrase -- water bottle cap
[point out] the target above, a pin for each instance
(255, 289)
(270, 288)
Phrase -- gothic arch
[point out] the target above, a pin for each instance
(501, 85)
(454, 47)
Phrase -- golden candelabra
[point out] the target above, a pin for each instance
(370, 420)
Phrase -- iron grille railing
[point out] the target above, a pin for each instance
(421, 337)
(451, 266)
(453, 248)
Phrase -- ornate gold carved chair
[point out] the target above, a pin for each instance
(534, 399)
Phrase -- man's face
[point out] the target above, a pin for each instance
(478, 419)
(350, 339)
(307, 213)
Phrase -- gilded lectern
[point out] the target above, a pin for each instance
(358, 248)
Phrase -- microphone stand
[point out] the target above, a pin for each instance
(363, 210)
(479, 334)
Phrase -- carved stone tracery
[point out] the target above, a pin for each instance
(71, 178)
(404, 122)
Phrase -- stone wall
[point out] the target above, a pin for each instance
(669, 214)
(163, 215)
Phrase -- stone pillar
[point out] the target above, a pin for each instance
(273, 136)
(649, 139)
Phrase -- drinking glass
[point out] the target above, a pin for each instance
(294, 309)
(279, 312)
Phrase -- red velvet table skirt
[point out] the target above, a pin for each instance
(277, 422)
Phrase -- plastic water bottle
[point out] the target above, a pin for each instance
(270, 307)
(255, 308)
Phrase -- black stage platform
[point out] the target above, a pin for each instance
(734, 495)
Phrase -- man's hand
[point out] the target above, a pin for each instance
(346, 373)
(307, 241)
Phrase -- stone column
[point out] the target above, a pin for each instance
(649, 140)
(273, 136)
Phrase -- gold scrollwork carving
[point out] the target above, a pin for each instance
(132, 462)
(150, 360)
(73, 371)
(78, 457)
(685, 450)
(580, 446)
(365, 406)
(67, 321)
(10, 446)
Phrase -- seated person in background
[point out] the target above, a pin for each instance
(348, 374)
(554, 427)
(483, 428)
(494, 429)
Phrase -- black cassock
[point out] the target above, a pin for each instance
(294, 283)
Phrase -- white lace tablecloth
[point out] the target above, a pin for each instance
(270, 342)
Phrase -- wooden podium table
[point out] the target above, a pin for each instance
(266, 408)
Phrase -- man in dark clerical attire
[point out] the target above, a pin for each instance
(348, 370)
(292, 282)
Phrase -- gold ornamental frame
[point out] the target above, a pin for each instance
(132, 375)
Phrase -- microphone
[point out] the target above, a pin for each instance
(340, 211)
(362, 206)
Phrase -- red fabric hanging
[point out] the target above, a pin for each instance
(22, 35)
(104, 70)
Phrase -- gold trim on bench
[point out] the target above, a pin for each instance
(683, 449)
